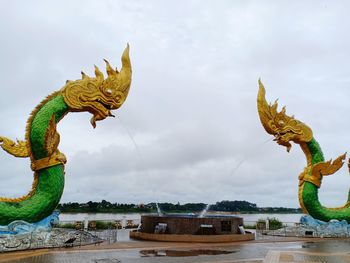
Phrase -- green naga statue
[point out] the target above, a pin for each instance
(97, 95)
(286, 129)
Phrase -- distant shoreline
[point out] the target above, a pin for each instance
(225, 206)
(177, 212)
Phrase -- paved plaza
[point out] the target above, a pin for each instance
(273, 250)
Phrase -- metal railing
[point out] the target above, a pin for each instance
(72, 233)
(289, 229)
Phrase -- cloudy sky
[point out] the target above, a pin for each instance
(189, 130)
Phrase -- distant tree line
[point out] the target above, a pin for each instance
(224, 206)
(234, 206)
(102, 207)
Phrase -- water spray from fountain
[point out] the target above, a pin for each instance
(132, 139)
(245, 157)
(233, 171)
(204, 211)
(158, 210)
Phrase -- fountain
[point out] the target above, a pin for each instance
(191, 228)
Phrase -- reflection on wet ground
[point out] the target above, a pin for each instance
(309, 245)
(107, 260)
(182, 253)
(143, 252)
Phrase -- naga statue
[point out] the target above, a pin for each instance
(97, 95)
(287, 129)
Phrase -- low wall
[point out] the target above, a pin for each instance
(192, 238)
(191, 225)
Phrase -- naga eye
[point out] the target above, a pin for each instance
(109, 91)
(281, 123)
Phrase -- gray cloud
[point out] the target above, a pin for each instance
(192, 107)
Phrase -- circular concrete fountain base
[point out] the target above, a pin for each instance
(192, 238)
(191, 228)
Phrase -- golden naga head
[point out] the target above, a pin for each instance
(283, 127)
(98, 95)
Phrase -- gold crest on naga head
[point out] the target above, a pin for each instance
(98, 95)
(285, 128)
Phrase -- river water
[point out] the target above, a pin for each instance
(136, 217)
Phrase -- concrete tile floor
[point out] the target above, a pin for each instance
(311, 250)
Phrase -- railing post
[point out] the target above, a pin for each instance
(31, 237)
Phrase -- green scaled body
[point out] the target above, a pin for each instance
(287, 130)
(49, 188)
(309, 193)
(97, 95)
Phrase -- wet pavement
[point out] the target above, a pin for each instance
(182, 253)
(143, 252)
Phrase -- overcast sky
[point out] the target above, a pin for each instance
(189, 130)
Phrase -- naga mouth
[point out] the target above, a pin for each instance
(105, 105)
(281, 140)
(100, 95)
(100, 111)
